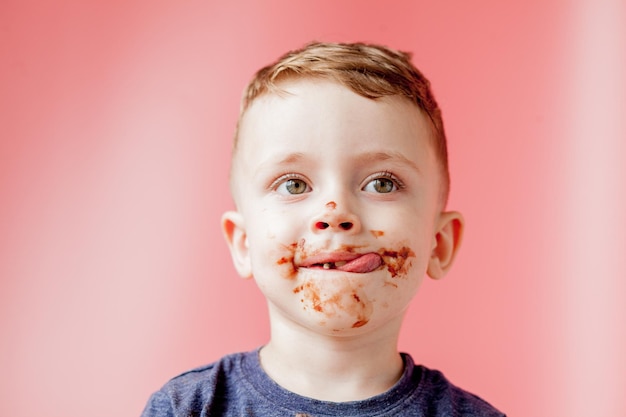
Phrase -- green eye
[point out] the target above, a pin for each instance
(293, 186)
(381, 186)
(290, 184)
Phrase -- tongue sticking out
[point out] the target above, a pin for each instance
(365, 263)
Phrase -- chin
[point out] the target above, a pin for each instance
(341, 325)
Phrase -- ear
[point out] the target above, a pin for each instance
(446, 243)
(237, 240)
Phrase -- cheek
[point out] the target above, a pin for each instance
(274, 255)
(404, 241)
(275, 240)
(283, 259)
(270, 224)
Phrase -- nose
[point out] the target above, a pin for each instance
(342, 225)
(336, 217)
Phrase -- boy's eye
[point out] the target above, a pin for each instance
(382, 184)
(292, 186)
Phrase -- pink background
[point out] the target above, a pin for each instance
(115, 127)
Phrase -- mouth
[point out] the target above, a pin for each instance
(356, 263)
(329, 265)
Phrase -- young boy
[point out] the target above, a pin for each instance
(340, 180)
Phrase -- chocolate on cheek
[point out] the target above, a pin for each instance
(289, 269)
(287, 262)
(397, 261)
(344, 299)
(362, 313)
(310, 296)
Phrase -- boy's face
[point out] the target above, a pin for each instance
(338, 206)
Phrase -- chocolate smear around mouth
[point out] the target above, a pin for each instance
(396, 261)
(288, 261)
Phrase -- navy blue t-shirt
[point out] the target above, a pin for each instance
(236, 385)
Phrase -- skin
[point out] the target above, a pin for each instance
(322, 175)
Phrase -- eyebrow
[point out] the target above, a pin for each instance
(290, 158)
(369, 157)
(363, 158)
(285, 160)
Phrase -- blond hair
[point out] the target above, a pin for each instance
(372, 71)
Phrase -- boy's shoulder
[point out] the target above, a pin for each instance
(236, 385)
(197, 389)
(450, 400)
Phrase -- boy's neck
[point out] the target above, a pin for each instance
(332, 368)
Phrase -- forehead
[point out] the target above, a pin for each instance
(305, 109)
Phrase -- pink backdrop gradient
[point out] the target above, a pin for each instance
(116, 119)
